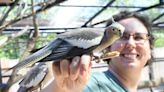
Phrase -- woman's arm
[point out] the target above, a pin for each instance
(70, 76)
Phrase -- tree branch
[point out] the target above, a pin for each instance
(7, 13)
(47, 6)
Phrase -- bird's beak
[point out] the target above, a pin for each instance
(122, 31)
(121, 34)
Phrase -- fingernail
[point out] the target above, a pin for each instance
(85, 58)
(82, 70)
(75, 61)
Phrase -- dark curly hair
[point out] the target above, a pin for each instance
(141, 17)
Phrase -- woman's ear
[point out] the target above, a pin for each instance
(150, 59)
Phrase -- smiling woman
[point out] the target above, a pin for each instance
(124, 71)
(135, 53)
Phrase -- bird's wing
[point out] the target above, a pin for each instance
(35, 57)
(61, 52)
(84, 37)
(34, 76)
(75, 43)
(22, 89)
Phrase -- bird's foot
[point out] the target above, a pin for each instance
(109, 55)
(104, 56)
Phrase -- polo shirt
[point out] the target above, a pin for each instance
(104, 82)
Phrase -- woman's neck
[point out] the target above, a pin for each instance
(129, 79)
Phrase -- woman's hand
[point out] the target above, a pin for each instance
(72, 76)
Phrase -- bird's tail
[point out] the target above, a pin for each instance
(22, 89)
(7, 70)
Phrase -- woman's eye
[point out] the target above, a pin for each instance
(125, 37)
(138, 38)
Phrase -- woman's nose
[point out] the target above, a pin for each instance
(130, 43)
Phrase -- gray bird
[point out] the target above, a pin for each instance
(33, 78)
(75, 43)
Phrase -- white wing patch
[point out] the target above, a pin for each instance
(36, 80)
(83, 43)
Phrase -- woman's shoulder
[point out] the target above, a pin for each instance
(98, 75)
(103, 82)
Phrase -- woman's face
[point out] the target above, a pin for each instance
(134, 45)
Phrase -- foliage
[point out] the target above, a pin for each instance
(159, 42)
(159, 38)
(10, 50)
(14, 48)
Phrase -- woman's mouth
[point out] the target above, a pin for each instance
(130, 56)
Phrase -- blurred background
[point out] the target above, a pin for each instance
(29, 24)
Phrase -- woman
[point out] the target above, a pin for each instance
(124, 71)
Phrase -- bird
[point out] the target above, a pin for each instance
(33, 77)
(75, 43)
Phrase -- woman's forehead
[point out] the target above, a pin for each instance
(133, 25)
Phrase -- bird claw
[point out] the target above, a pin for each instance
(97, 59)
(110, 55)
(107, 55)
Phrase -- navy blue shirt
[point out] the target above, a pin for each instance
(104, 82)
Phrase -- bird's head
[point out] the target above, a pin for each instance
(113, 33)
(115, 30)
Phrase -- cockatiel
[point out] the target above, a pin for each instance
(33, 78)
(75, 43)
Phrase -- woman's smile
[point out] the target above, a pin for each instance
(129, 56)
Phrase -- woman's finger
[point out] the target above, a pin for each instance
(74, 68)
(64, 68)
(85, 66)
(56, 68)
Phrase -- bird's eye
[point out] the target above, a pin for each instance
(113, 29)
